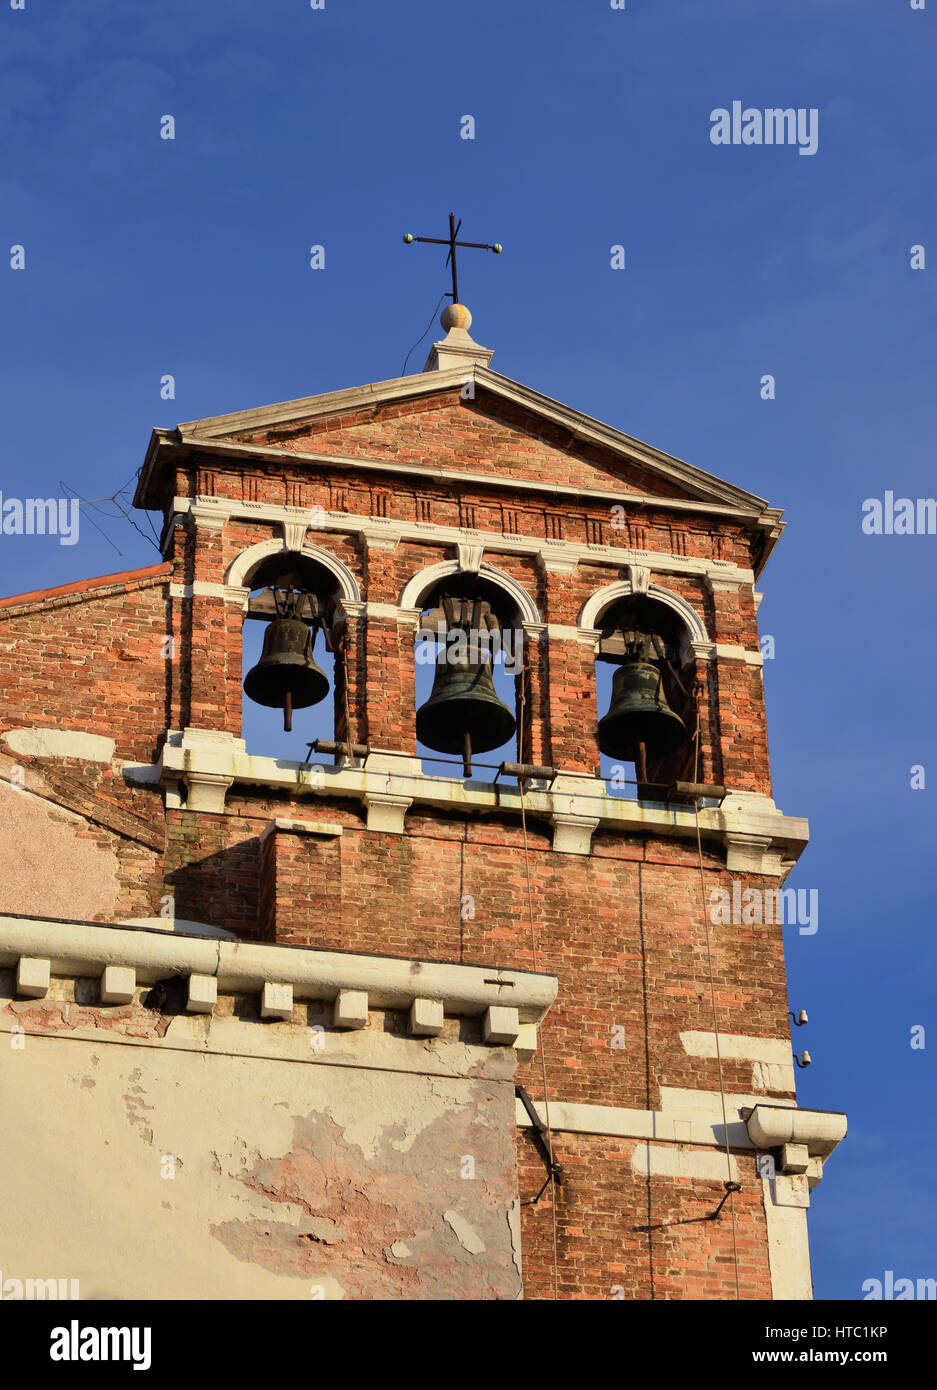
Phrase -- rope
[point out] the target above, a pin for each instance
(346, 668)
(712, 995)
(533, 949)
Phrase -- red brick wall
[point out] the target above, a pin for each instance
(95, 664)
(622, 928)
(604, 1247)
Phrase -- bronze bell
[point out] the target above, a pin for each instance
(463, 714)
(639, 718)
(286, 676)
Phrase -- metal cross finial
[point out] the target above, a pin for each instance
(451, 242)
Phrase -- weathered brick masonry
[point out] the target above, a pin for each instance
(621, 925)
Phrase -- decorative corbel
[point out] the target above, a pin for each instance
(294, 534)
(470, 557)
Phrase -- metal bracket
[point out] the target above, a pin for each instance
(541, 1138)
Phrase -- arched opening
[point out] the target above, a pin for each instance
(468, 659)
(291, 675)
(645, 674)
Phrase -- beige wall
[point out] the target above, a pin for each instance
(299, 1173)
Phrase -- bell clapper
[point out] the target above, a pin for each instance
(467, 754)
(641, 763)
(288, 711)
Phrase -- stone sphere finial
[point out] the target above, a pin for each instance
(455, 316)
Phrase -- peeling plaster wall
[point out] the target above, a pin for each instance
(299, 1172)
(54, 864)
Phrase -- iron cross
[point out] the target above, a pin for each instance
(451, 242)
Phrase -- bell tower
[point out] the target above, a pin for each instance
(661, 1151)
(481, 992)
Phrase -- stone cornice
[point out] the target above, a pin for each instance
(772, 1126)
(694, 1118)
(390, 982)
(755, 834)
(763, 517)
(562, 554)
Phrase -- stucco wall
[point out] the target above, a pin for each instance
(371, 1165)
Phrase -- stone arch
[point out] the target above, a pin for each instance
(249, 560)
(598, 603)
(240, 577)
(688, 637)
(425, 580)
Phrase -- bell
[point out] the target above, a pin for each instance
(286, 676)
(463, 714)
(639, 719)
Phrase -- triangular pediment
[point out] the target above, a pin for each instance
(468, 419)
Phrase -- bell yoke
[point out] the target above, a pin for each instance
(463, 714)
(286, 677)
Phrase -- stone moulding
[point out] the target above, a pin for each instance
(757, 837)
(554, 553)
(771, 1127)
(87, 949)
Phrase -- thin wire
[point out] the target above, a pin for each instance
(67, 489)
(93, 504)
(712, 996)
(424, 333)
(533, 949)
(149, 539)
(149, 519)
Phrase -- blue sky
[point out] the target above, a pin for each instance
(340, 127)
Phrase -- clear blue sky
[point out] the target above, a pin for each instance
(341, 127)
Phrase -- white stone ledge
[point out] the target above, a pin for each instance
(679, 1126)
(664, 1161)
(758, 837)
(695, 1117)
(200, 588)
(86, 949)
(734, 653)
(60, 743)
(326, 829)
(737, 1046)
(819, 1131)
